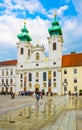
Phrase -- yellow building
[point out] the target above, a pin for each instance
(72, 73)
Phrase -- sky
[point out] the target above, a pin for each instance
(39, 15)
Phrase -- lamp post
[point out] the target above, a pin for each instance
(65, 83)
(6, 87)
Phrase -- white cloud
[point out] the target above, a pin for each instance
(31, 5)
(10, 27)
(72, 34)
(34, 6)
(61, 10)
(38, 30)
(78, 5)
(72, 29)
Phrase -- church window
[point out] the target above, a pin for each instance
(21, 75)
(37, 80)
(54, 79)
(54, 74)
(54, 63)
(37, 64)
(21, 66)
(54, 46)
(28, 52)
(21, 51)
(44, 76)
(30, 77)
(37, 56)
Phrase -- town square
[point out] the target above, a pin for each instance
(40, 65)
(51, 113)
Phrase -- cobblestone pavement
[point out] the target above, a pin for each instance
(51, 113)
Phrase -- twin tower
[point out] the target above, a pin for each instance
(34, 72)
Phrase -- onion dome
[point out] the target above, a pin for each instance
(55, 29)
(24, 36)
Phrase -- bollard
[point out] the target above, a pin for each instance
(12, 118)
(33, 106)
(20, 114)
(28, 112)
(43, 108)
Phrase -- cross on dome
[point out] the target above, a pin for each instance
(55, 13)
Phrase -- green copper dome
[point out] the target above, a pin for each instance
(24, 36)
(55, 29)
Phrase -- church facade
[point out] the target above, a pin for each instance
(33, 70)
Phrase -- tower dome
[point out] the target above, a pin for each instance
(24, 36)
(55, 29)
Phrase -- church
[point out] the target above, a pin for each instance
(33, 70)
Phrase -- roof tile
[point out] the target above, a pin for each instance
(10, 62)
(72, 60)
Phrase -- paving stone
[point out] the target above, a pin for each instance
(51, 113)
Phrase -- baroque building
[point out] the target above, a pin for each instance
(33, 70)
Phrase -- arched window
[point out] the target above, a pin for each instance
(37, 56)
(54, 74)
(44, 76)
(30, 77)
(11, 81)
(21, 75)
(54, 46)
(21, 51)
(28, 52)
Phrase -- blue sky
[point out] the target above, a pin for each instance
(39, 15)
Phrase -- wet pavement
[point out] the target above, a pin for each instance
(50, 113)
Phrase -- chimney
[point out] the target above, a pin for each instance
(73, 52)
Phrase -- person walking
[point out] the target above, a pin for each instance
(37, 96)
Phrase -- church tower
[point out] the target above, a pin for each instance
(24, 49)
(55, 53)
(55, 42)
(24, 45)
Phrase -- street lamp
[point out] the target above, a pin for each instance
(65, 83)
(6, 87)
